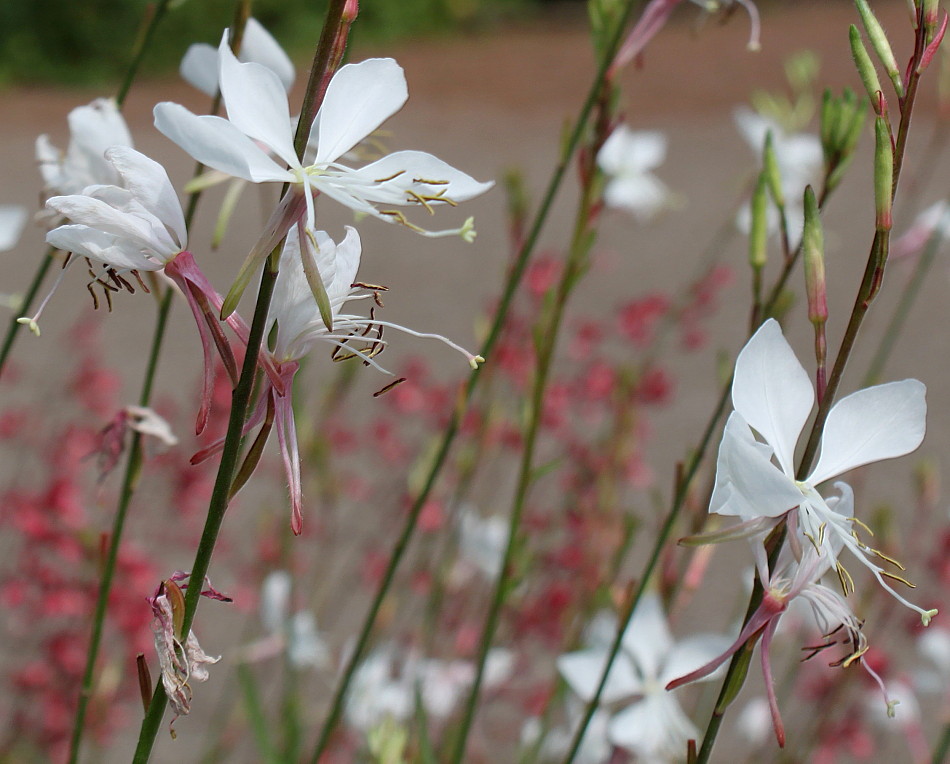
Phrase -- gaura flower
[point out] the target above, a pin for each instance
(798, 579)
(92, 130)
(139, 226)
(773, 396)
(301, 326)
(199, 67)
(652, 725)
(627, 157)
(359, 98)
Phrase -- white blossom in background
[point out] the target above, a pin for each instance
(595, 748)
(482, 542)
(651, 723)
(386, 683)
(800, 161)
(934, 219)
(627, 158)
(92, 129)
(296, 633)
(199, 66)
(934, 646)
(773, 397)
(12, 219)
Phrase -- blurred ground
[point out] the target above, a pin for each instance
(489, 103)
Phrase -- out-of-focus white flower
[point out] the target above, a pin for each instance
(199, 67)
(12, 219)
(145, 421)
(800, 159)
(296, 632)
(652, 725)
(934, 219)
(934, 646)
(92, 129)
(773, 396)
(628, 157)
(594, 747)
(482, 541)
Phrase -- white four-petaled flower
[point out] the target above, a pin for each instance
(627, 157)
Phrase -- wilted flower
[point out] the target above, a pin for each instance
(773, 396)
(652, 724)
(627, 157)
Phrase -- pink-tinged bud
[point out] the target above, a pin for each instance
(931, 12)
(932, 47)
(883, 174)
(864, 64)
(880, 44)
(813, 251)
(351, 11)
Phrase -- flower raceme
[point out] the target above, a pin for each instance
(256, 143)
(773, 396)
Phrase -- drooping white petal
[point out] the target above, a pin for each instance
(96, 213)
(359, 98)
(748, 484)
(102, 247)
(647, 638)
(655, 728)
(93, 129)
(149, 184)
(772, 391)
(582, 670)
(873, 424)
(396, 177)
(256, 102)
(217, 143)
(691, 653)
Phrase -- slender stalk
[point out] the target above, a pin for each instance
(515, 275)
(25, 305)
(869, 288)
(240, 398)
(943, 746)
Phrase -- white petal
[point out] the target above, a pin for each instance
(12, 219)
(772, 391)
(96, 213)
(260, 47)
(256, 103)
(647, 638)
(748, 484)
(643, 195)
(93, 129)
(877, 423)
(149, 184)
(359, 98)
(217, 143)
(100, 246)
(390, 179)
(339, 277)
(199, 68)
(582, 671)
(692, 653)
(655, 728)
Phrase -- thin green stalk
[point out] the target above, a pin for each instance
(546, 343)
(133, 468)
(154, 14)
(25, 305)
(256, 716)
(868, 290)
(240, 399)
(515, 275)
(943, 746)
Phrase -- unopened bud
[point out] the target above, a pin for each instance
(842, 122)
(864, 64)
(880, 44)
(771, 172)
(883, 174)
(813, 251)
(931, 11)
(759, 229)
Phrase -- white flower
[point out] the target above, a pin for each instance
(773, 396)
(12, 219)
(199, 67)
(146, 421)
(800, 159)
(627, 157)
(92, 130)
(482, 541)
(359, 98)
(653, 726)
(296, 632)
(935, 219)
(594, 747)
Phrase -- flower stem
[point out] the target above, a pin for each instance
(25, 305)
(515, 275)
(943, 746)
(240, 398)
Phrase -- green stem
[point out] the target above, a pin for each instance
(943, 746)
(150, 25)
(25, 305)
(240, 399)
(515, 275)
